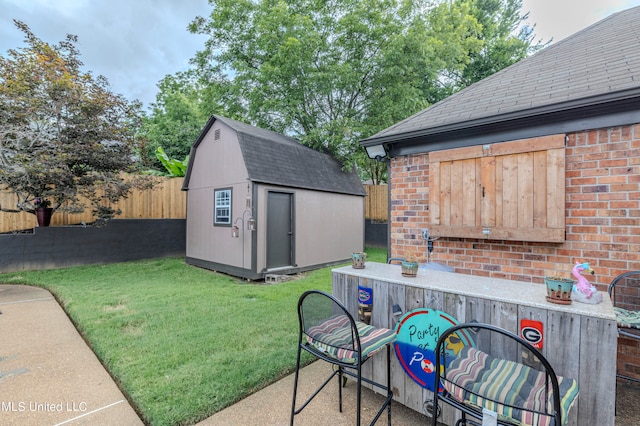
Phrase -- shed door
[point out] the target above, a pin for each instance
(279, 229)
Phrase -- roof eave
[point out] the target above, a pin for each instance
(621, 100)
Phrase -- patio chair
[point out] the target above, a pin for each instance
(329, 332)
(625, 307)
(502, 378)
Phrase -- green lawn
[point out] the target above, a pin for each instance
(183, 342)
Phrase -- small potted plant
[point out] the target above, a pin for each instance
(410, 264)
(558, 289)
(358, 260)
(43, 211)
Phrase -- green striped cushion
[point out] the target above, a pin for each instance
(334, 338)
(626, 318)
(514, 391)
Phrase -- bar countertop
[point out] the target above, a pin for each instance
(502, 290)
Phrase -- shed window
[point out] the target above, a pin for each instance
(222, 207)
(504, 191)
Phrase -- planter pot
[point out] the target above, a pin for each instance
(559, 290)
(409, 269)
(358, 260)
(43, 215)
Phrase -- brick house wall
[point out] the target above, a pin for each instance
(602, 221)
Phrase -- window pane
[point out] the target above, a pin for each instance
(222, 207)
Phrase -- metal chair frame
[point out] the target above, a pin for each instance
(624, 331)
(343, 369)
(472, 411)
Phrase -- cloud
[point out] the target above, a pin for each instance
(134, 44)
(559, 19)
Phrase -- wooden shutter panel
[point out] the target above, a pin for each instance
(504, 191)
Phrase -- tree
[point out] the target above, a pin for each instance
(183, 105)
(505, 40)
(175, 120)
(63, 135)
(331, 72)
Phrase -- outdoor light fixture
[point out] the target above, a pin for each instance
(377, 152)
(235, 232)
(251, 224)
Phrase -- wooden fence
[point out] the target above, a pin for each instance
(377, 202)
(164, 201)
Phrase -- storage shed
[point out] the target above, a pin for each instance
(259, 203)
(535, 168)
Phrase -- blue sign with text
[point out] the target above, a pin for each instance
(417, 334)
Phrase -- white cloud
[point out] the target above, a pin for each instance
(559, 19)
(134, 44)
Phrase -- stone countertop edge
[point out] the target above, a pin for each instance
(519, 292)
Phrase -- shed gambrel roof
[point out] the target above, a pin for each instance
(594, 72)
(276, 159)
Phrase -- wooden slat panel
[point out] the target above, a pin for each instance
(525, 190)
(381, 317)
(488, 191)
(559, 329)
(468, 192)
(499, 233)
(528, 145)
(556, 188)
(499, 192)
(457, 190)
(455, 154)
(598, 373)
(478, 192)
(415, 395)
(510, 191)
(456, 231)
(540, 189)
(523, 184)
(376, 203)
(504, 315)
(396, 296)
(435, 193)
(528, 234)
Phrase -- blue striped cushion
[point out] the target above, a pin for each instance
(513, 390)
(627, 318)
(334, 338)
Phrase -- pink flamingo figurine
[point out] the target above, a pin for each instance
(583, 291)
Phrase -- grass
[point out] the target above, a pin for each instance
(182, 342)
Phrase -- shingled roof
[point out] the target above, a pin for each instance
(593, 72)
(276, 159)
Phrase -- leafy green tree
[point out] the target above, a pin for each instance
(183, 105)
(331, 72)
(175, 120)
(63, 134)
(505, 40)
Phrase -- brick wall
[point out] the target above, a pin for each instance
(602, 219)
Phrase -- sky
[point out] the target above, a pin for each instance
(136, 43)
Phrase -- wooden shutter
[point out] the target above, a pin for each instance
(504, 191)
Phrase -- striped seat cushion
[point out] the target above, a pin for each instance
(626, 318)
(334, 338)
(514, 391)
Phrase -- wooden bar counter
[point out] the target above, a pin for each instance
(579, 339)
